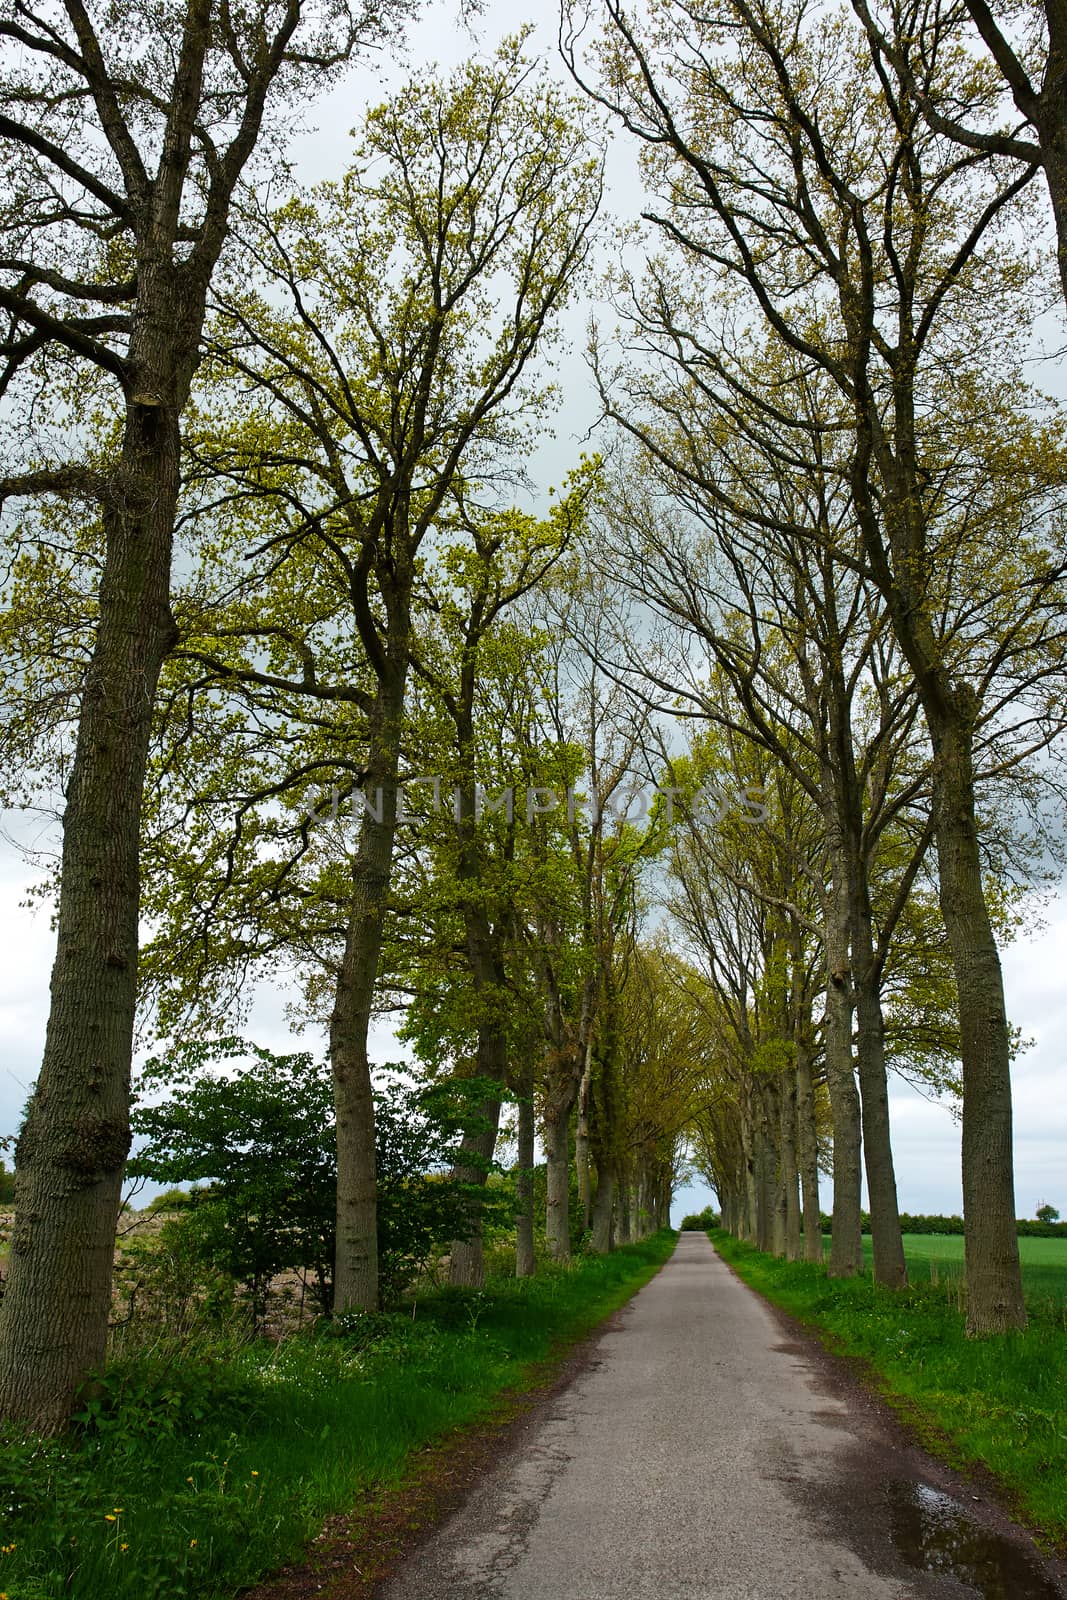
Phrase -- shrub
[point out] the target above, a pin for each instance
(701, 1219)
(259, 1141)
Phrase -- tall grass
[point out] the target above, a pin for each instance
(998, 1402)
(198, 1468)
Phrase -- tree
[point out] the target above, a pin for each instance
(510, 557)
(385, 335)
(1047, 1213)
(1030, 67)
(123, 160)
(763, 585)
(256, 1129)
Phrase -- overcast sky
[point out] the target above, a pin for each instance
(925, 1136)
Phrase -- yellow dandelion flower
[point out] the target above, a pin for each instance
(192, 1544)
(188, 1480)
(108, 1517)
(124, 1547)
(255, 1474)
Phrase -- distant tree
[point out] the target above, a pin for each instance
(1047, 1213)
(699, 1221)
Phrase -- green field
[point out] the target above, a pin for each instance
(938, 1258)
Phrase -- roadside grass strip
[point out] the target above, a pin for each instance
(1000, 1403)
(198, 1468)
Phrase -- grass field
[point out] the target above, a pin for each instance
(938, 1258)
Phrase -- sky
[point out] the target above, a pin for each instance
(925, 1135)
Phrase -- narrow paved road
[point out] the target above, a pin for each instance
(706, 1453)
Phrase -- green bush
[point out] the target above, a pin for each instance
(255, 1131)
(702, 1220)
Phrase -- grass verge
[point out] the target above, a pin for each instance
(997, 1402)
(199, 1469)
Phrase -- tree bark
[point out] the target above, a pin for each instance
(888, 1245)
(764, 1171)
(625, 1225)
(73, 1145)
(808, 1154)
(581, 1142)
(788, 1168)
(356, 1267)
(603, 1211)
(557, 1160)
(846, 1248)
(466, 1267)
(995, 1301)
(525, 1263)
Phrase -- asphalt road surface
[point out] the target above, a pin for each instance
(708, 1451)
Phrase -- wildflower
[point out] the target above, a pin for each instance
(255, 1474)
(192, 1544)
(188, 1480)
(110, 1518)
(124, 1547)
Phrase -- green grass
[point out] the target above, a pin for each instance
(197, 1470)
(998, 1402)
(938, 1258)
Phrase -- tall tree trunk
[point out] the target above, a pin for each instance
(73, 1145)
(889, 1267)
(356, 1267)
(846, 1248)
(808, 1154)
(558, 1176)
(765, 1171)
(747, 1199)
(888, 1246)
(995, 1301)
(466, 1267)
(525, 1260)
(603, 1210)
(638, 1221)
(625, 1225)
(994, 1280)
(788, 1173)
(582, 1163)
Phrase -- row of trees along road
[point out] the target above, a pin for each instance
(828, 532)
(835, 285)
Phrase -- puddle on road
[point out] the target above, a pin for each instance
(933, 1532)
